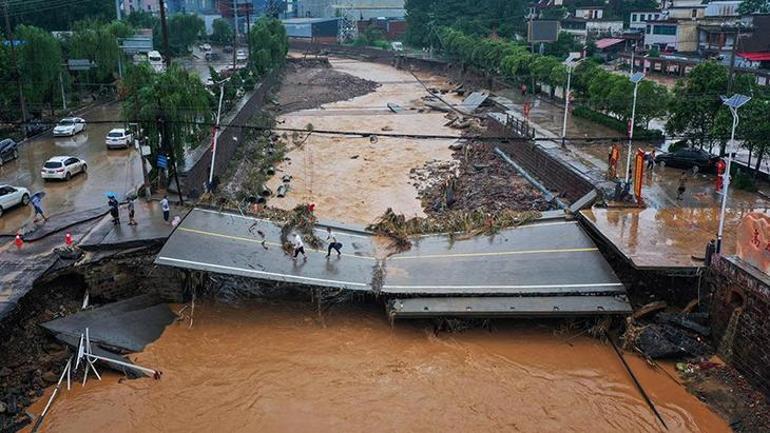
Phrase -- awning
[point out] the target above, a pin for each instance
(607, 42)
(755, 56)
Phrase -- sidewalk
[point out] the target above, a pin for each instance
(660, 185)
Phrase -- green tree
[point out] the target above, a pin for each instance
(176, 95)
(140, 19)
(183, 31)
(222, 32)
(57, 15)
(40, 63)
(564, 44)
(754, 7)
(98, 42)
(696, 103)
(269, 44)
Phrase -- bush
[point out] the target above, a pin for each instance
(615, 124)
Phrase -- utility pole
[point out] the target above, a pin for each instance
(117, 10)
(235, 31)
(731, 78)
(248, 32)
(164, 29)
(15, 69)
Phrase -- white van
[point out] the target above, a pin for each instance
(156, 61)
(397, 46)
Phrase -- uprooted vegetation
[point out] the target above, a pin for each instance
(459, 224)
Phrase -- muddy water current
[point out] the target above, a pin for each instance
(278, 367)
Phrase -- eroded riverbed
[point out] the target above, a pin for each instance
(277, 367)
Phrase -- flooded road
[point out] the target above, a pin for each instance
(275, 367)
(114, 170)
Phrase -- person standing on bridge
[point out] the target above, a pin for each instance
(333, 244)
(114, 210)
(36, 202)
(299, 246)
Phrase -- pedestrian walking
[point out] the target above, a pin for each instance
(651, 160)
(682, 185)
(299, 246)
(36, 202)
(131, 212)
(164, 206)
(333, 244)
(114, 211)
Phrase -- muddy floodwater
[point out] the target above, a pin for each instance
(277, 367)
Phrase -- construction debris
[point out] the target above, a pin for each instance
(392, 106)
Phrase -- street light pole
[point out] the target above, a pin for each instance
(216, 132)
(734, 103)
(566, 107)
(635, 78)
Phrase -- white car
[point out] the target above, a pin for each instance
(240, 55)
(11, 196)
(205, 48)
(63, 167)
(69, 126)
(156, 61)
(119, 138)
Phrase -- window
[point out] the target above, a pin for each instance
(694, 13)
(664, 30)
(633, 17)
(648, 29)
(71, 161)
(4, 191)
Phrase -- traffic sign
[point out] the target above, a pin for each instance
(79, 64)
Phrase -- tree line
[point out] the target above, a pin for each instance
(692, 110)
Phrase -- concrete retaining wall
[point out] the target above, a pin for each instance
(740, 312)
(196, 168)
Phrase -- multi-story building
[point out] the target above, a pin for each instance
(582, 28)
(151, 6)
(638, 20)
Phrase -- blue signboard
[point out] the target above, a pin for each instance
(162, 161)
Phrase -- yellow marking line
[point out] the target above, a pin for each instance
(427, 256)
(497, 253)
(258, 241)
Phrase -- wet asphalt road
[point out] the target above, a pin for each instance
(108, 170)
(554, 258)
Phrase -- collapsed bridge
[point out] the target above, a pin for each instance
(546, 268)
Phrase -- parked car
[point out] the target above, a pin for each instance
(9, 151)
(156, 61)
(119, 138)
(688, 158)
(227, 49)
(211, 56)
(241, 55)
(11, 196)
(205, 47)
(63, 167)
(69, 126)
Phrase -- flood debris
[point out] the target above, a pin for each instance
(392, 106)
(668, 335)
(475, 179)
(460, 224)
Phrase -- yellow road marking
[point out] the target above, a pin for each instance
(497, 253)
(258, 241)
(427, 256)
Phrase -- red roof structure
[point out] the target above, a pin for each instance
(607, 42)
(756, 56)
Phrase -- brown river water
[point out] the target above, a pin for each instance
(278, 367)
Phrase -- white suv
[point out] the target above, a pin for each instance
(119, 138)
(11, 196)
(63, 167)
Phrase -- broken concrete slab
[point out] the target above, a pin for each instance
(472, 103)
(125, 326)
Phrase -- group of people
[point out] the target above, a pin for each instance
(299, 246)
(114, 205)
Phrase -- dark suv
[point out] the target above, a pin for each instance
(9, 150)
(688, 158)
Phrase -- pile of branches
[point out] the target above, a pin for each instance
(458, 224)
(302, 220)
